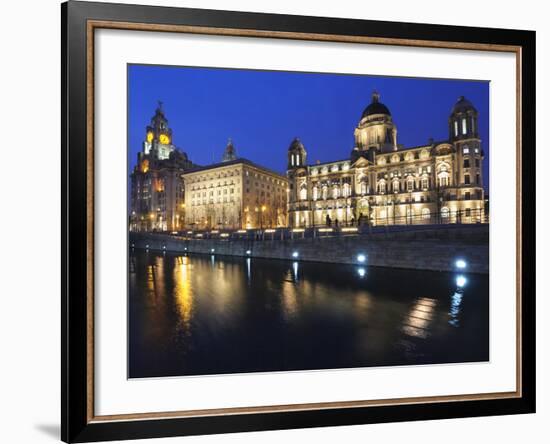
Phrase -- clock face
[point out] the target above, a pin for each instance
(164, 139)
(149, 137)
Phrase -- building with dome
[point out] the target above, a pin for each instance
(384, 183)
(157, 188)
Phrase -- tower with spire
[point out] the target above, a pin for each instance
(230, 152)
(157, 187)
(158, 135)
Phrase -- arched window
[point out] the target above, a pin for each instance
(410, 184)
(303, 192)
(409, 157)
(425, 183)
(425, 213)
(315, 192)
(395, 186)
(464, 129)
(364, 187)
(443, 178)
(335, 192)
(395, 158)
(445, 213)
(325, 192)
(382, 187)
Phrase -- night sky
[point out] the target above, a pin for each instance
(262, 111)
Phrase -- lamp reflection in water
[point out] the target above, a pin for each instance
(290, 292)
(456, 300)
(417, 322)
(183, 293)
(248, 273)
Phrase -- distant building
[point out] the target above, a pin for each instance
(235, 193)
(157, 188)
(384, 183)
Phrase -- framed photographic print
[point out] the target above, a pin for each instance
(276, 221)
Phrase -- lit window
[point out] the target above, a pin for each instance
(456, 128)
(445, 213)
(443, 179)
(410, 184)
(464, 129)
(466, 150)
(425, 213)
(346, 190)
(315, 193)
(395, 186)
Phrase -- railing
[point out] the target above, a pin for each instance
(389, 223)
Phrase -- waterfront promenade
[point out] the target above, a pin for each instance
(435, 248)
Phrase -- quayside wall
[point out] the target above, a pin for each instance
(434, 249)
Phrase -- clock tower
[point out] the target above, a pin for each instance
(158, 136)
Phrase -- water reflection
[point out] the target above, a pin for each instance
(418, 320)
(211, 314)
(456, 301)
(182, 291)
(295, 269)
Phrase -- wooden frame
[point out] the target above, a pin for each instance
(79, 21)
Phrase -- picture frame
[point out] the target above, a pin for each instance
(80, 20)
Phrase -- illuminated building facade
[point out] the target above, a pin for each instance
(235, 193)
(384, 183)
(157, 188)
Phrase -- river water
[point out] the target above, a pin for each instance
(197, 315)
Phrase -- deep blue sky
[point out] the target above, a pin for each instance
(262, 111)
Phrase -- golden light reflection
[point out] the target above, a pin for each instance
(182, 290)
(151, 279)
(290, 299)
(418, 320)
